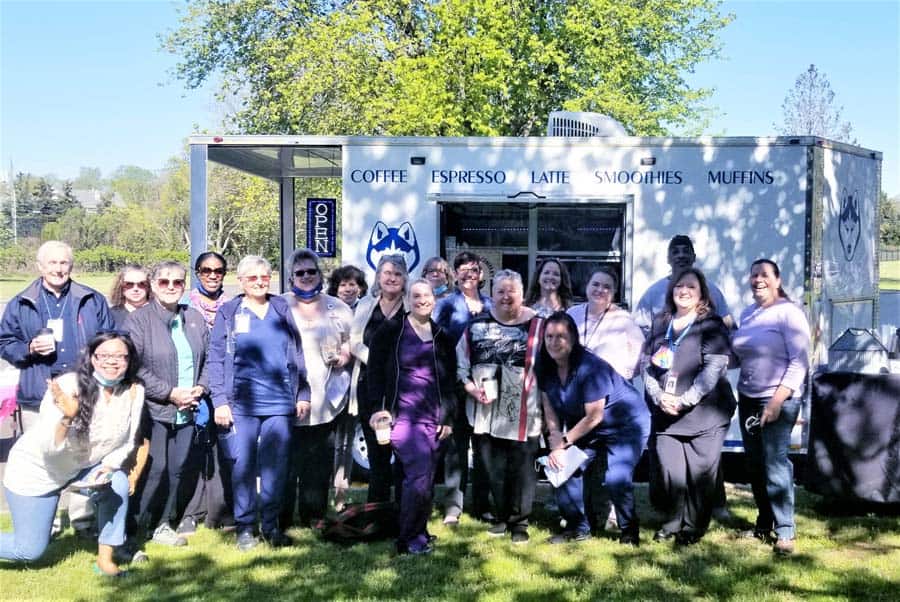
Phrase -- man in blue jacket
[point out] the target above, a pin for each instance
(73, 313)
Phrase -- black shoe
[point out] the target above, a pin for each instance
(431, 538)
(406, 551)
(278, 539)
(569, 537)
(497, 530)
(761, 535)
(246, 541)
(663, 535)
(188, 526)
(631, 538)
(519, 537)
(687, 538)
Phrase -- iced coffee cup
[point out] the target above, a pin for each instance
(45, 337)
(490, 388)
(383, 430)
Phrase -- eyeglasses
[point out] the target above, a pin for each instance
(468, 271)
(111, 357)
(165, 282)
(431, 271)
(302, 273)
(128, 285)
(204, 271)
(254, 278)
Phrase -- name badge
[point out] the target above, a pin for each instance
(671, 383)
(57, 327)
(663, 358)
(241, 324)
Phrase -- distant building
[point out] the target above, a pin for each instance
(91, 198)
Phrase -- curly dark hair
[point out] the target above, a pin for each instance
(347, 272)
(565, 284)
(88, 387)
(546, 365)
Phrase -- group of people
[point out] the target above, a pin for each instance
(173, 407)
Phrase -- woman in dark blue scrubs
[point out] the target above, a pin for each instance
(601, 414)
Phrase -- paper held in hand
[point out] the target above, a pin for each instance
(574, 458)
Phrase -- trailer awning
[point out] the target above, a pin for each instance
(276, 162)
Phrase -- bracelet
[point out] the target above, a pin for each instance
(66, 421)
(565, 441)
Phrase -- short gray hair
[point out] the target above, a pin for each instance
(412, 284)
(502, 275)
(54, 244)
(399, 262)
(166, 265)
(304, 255)
(252, 261)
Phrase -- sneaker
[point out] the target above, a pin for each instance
(763, 536)
(498, 530)
(570, 537)
(188, 526)
(663, 535)
(246, 541)
(423, 551)
(519, 537)
(166, 536)
(630, 538)
(784, 547)
(451, 521)
(276, 538)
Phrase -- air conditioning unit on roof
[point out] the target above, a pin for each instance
(579, 125)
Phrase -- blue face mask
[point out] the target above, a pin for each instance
(440, 290)
(209, 294)
(307, 295)
(107, 382)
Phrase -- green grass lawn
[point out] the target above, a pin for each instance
(838, 558)
(890, 275)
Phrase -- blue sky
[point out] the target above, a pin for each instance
(85, 84)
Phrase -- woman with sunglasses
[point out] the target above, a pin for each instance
(691, 403)
(86, 429)
(772, 344)
(385, 302)
(130, 291)
(211, 503)
(209, 294)
(257, 375)
(171, 340)
(324, 325)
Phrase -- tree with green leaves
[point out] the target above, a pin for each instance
(447, 68)
(809, 109)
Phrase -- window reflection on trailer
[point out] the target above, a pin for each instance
(808, 203)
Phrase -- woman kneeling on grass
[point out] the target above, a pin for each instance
(602, 414)
(87, 427)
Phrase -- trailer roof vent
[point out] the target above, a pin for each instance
(577, 124)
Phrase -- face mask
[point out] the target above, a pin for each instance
(307, 295)
(209, 294)
(107, 382)
(440, 290)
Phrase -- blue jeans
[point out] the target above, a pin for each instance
(32, 517)
(770, 470)
(623, 452)
(260, 445)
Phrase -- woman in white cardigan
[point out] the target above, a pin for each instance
(87, 428)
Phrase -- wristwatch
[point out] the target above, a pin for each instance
(565, 441)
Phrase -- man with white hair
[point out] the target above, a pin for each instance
(44, 329)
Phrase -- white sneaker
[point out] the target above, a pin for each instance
(166, 536)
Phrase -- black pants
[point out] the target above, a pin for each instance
(308, 482)
(512, 478)
(380, 470)
(689, 466)
(212, 502)
(167, 488)
(455, 451)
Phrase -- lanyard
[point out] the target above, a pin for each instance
(588, 337)
(47, 305)
(674, 344)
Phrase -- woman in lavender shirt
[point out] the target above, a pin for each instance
(772, 344)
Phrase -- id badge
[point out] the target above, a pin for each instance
(671, 383)
(57, 327)
(241, 324)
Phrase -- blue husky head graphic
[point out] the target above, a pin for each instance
(393, 241)
(850, 224)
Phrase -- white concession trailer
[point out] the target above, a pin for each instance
(808, 203)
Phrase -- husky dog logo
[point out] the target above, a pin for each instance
(849, 224)
(393, 241)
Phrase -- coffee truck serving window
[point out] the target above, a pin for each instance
(517, 235)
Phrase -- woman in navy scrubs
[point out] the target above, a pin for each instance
(602, 414)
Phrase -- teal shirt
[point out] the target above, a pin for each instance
(185, 363)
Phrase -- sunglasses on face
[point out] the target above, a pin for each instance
(261, 279)
(127, 285)
(302, 273)
(207, 271)
(165, 282)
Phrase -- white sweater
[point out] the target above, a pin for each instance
(37, 466)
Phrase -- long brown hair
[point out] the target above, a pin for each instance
(706, 304)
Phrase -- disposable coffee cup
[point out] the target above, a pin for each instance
(489, 385)
(45, 336)
(383, 431)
